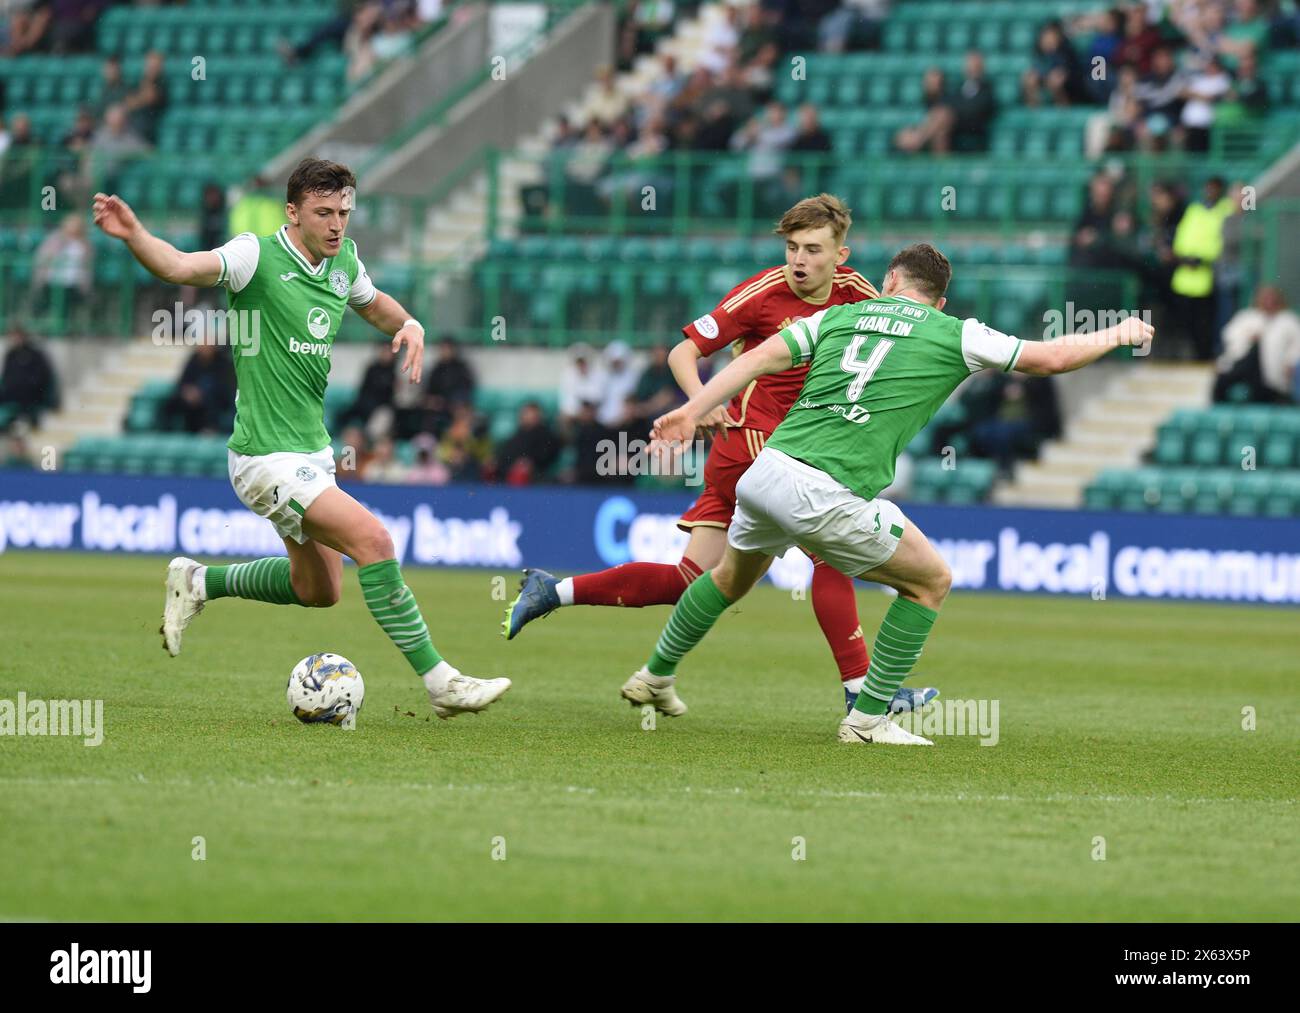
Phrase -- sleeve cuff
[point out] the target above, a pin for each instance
(1020, 343)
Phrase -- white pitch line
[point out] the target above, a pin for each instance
(570, 789)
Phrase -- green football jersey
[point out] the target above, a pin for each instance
(287, 313)
(878, 371)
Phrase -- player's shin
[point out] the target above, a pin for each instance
(394, 608)
(265, 580)
(899, 643)
(836, 607)
(696, 612)
(631, 585)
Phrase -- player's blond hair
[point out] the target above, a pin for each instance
(814, 212)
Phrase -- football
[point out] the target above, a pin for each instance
(326, 688)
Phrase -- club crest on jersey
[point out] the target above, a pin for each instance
(318, 322)
(707, 326)
(306, 474)
(339, 282)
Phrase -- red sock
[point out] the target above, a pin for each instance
(836, 607)
(634, 585)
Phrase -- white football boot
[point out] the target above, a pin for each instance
(183, 603)
(860, 728)
(462, 694)
(644, 688)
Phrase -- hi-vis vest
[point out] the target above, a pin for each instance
(1200, 235)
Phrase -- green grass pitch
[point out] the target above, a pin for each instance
(1118, 720)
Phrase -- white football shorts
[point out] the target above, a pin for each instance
(280, 487)
(782, 502)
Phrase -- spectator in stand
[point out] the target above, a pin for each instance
(20, 133)
(451, 381)
(148, 101)
(766, 138)
(19, 182)
(619, 382)
(1198, 244)
(78, 140)
(856, 24)
(525, 457)
(1123, 113)
(1204, 88)
(14, 453)
(212, 218)
(933, 131)
(358, 41)
(376, 390)
(759, 73)
(1156, 246)
(451, 384)
(719, 40)
(1140, 41)
(1022, 412)
(354, 455)
(256, 209)
(1101, 61)
(1248, 98)
(464, 449)
(383, 465)
(643, 25)
(958, 120)
(1161, 93)
(812, 137)
(72, 29)
(594, 447)
(606, 104)
(656, 389)
(428, 468)
(64, 268)
(1248, 33)
(27, 382)
(1055, 70)
(114, 143)
(113, 89)
(973, 106)
(583, 380)
(204, 398)
(1261, 349)
(330, 33)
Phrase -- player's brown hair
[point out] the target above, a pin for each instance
(925, 268)
(813, 213)
(318, 176)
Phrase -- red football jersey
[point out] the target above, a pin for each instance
(751, 313)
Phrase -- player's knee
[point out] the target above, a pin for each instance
(940, 584)
(375, 546)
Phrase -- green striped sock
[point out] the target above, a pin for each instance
(696, 612)
(261, 580)
(391, 603)
(898, 645)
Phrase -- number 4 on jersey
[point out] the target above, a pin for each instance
(863, 371)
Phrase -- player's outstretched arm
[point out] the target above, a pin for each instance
(772, 356)
(684, 361)
(1074, 351)
(115, 217)
(386, 314)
